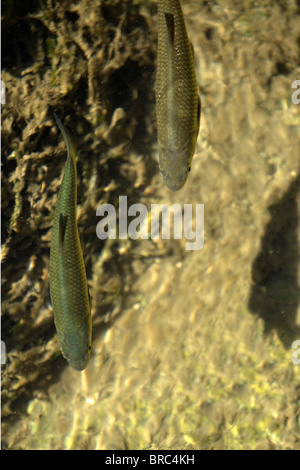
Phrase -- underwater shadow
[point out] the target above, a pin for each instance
(275, 293)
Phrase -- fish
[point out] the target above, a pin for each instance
(178, 105)
(68, 282)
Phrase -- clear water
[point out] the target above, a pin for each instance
(192, 349)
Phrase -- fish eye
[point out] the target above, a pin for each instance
(90, 347)
(189, 168)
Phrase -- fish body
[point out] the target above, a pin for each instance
(177, 98)
(68, 282)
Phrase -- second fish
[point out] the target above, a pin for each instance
(177, 98)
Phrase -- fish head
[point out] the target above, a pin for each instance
(76, 347)
(175, 162)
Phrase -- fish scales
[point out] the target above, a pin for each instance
(177, 98)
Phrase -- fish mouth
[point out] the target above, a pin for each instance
(75, 349)
(174, 184)
(174, 167)
(175, 180)
(78, 364)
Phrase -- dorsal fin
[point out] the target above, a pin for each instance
(170, 28)
(198, 111)
(62, 229)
